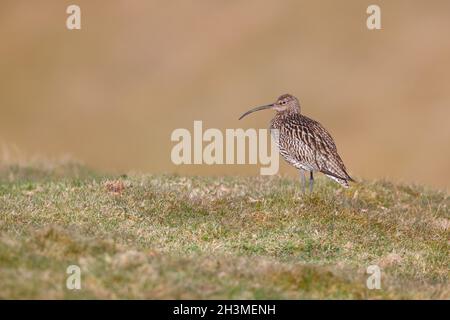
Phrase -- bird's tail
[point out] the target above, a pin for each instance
(350, 178)
(343, 181)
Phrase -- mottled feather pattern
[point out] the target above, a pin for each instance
(305, 144)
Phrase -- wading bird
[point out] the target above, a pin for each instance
(304, 143)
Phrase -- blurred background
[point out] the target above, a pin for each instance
(111, 94)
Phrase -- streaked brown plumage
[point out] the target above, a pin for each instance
(303, 142)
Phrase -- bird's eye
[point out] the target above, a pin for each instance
(283, 102)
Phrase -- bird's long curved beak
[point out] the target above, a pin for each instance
(268, 106)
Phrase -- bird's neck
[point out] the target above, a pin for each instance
(288, 112)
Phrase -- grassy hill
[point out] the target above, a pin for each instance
(166, 236)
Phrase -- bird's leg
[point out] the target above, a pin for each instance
(303, 180)
(311, 181)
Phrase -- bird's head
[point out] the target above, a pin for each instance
(285, 102)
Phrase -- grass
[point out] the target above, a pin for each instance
(167, 236)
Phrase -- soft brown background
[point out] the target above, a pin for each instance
(111, 94)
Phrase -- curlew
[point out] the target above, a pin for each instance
(304, 143)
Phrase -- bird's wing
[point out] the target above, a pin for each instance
(316, 147)
(327, 156)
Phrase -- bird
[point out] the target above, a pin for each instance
(304, 143)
